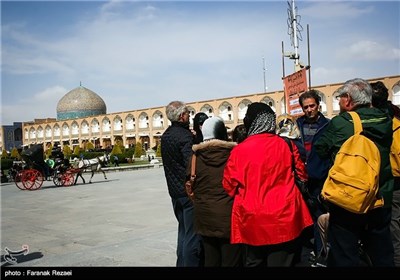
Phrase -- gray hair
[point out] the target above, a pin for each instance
(359, 90)
(174, 109)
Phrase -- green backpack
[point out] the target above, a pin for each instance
(353, 180)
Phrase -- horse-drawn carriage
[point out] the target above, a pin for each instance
(36, 170)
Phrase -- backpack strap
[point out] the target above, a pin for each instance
(356, 121)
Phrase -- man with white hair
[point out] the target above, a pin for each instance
(345, 228)
(176, 149)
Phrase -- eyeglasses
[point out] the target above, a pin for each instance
(341, 95)
(311, 106)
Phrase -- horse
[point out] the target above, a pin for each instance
(94, 165)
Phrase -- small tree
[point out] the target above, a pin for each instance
(77, 151)
(116, 150)
(89, 146)
(138, 150)
(67, 151)
(118, 143)
(15, 154)
(4, 154)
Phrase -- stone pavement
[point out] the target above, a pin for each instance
(126, 220)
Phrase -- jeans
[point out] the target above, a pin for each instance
(189, 250)
(346, 229)
(315, 187)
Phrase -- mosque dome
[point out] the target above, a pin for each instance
(79, 103)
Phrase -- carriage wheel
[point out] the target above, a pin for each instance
(18, 180)
(68, 179)
(58, 179)
(32, 179)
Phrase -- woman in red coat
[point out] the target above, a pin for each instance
(268, 212)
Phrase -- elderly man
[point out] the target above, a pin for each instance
(346, 229)
(176, 149)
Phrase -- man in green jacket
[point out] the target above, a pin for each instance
(346, 229)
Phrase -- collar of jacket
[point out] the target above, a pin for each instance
(321, 120)
(181, 124)
(214, 143)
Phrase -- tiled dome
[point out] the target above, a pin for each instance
(80, 102)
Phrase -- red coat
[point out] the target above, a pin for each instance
(268, 208)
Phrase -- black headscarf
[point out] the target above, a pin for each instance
(259, 118)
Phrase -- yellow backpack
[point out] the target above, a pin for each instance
(353, 180)
(395, 148)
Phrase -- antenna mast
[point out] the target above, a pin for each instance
(295, 39)
(294, 31)
(264, 73)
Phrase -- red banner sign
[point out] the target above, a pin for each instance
(294, 85)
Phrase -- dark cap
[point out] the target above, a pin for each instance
(199, 118)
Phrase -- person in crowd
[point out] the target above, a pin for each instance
(4, 178)
(345, 228)
(269, 213)
(198, 121)
(212, 205)
(116, 161)
(323, 222)
(57, 153)
(286, 126)
(380, 100)
(239, 133)
(312, 124)
(176, 143)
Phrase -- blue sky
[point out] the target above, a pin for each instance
(143, 54)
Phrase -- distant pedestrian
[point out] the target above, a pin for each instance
(116, 161)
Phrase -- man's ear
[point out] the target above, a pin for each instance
(349, 104)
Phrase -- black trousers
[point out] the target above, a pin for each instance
(277, 255)
(218, 252)
(346, 229)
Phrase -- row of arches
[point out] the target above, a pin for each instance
(134, 125)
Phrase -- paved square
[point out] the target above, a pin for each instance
(126, 220)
